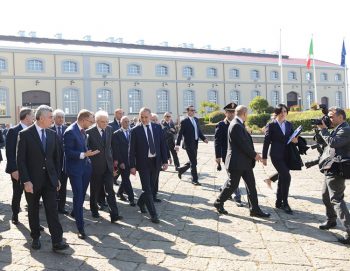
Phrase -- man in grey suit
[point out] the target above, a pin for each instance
(338, 142)
(240, 161)
(99, 138)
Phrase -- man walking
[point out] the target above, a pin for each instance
(190, 131)
(170, 133)
(38, 159)
(240, 161)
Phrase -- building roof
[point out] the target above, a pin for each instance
(154, 51)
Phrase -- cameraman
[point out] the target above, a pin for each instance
(338, 142)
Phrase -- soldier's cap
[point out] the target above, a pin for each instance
(230, 107)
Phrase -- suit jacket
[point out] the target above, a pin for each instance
(11, 143)
(220, 141)
(95, 142)
(338, 139)
(60, 140)
(120, 147)
(35, 164)
(74, 144)
(138, 148)
(278, 141)
(187, 131)
(169, 131)
(115, 126)
(240, 152)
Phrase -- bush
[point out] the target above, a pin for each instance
(259, 105)
(295, 108)
(259, 120)
(208, 129)
(216, 116)
(270, 109)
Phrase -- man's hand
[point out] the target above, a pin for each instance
(59, 185)
(218, 160)
(206, 141)
(122, 166)
(170, 161)
(28, 187)
(257, 157)
(133, 171)
(91, 153)
(165, 167)
(177, 148)
(14, 175)
(322, 126)
(264, 162)
(295, 140)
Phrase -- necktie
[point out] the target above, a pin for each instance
(59, 132)
(127, 135)
(43, 139)
(195, 129)
(151, 146)
(103, 137)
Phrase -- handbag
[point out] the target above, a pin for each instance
(343, 167)
(294, 161)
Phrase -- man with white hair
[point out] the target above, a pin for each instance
(59, 127)
(100, 138)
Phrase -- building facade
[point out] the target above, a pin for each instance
(72, 75)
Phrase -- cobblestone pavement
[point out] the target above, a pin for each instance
(191, 235)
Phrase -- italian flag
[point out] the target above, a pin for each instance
(310, 55)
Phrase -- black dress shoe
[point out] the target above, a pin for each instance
(155, 219)
(157, 200)
(15, 219)
(142, 208)
(116, 218)
(59, 246)
(36, 244)
(278, 204)
(327, 225)
(220, 208)
(179, 174)
(345, 240)
(196, 183)
(41, 228)
(287, 209)
(95, 215)
(259, 213)
(132, 204)
(82, 234)
(63, 211)
(72, 214)
(121, 197)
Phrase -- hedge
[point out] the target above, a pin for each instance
(216, 116)
(259, 120)
(208, 129)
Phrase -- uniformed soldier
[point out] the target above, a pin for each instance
(220, 144)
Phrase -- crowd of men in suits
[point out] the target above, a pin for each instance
(43, 153)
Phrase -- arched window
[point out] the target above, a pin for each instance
(212, 72)
(3, 102)
(274, 75)
(162, 101)
(3, 64)
(337, 77)
(308, 76)
(309, 99)
(189, 98)
(188, 72)
(292, 76)
(339, 99)
(70, 66)
(275, 98)
(255, 74)
(256, 93)
(324, 76)
(104, 100)
(103, 68)
(35, 65)
(162, 70)
(71, 101)
(135, 100)
(235, 97)
(234, 73)
(134, 69)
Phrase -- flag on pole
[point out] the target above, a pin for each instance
(311, 54)
(343, 54)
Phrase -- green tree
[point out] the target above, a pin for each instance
(207, 107)
(259, 105)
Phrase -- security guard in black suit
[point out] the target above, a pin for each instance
(220, 143)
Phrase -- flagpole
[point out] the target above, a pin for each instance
(346, 87)
(281, 67)
(315, 77)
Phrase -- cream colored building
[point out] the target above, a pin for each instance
(103, 75)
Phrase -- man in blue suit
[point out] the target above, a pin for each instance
(78, 164)
(147, 155)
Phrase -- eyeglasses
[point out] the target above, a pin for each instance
(167, 116)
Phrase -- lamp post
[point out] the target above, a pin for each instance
(299, 102)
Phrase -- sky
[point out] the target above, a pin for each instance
(238, 24)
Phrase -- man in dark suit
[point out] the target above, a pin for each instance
(240, 161)
(26, 117)
(60, 128)
(120, 147)
(78, 165)
(190, 131)
(170, 133)
(38, 160)
(99, 138)
(147, 154)
(220, 144)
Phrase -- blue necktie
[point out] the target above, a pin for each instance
(127, 135)
(151, 146)
(43, 139)
(103, 137)
(59, 132)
